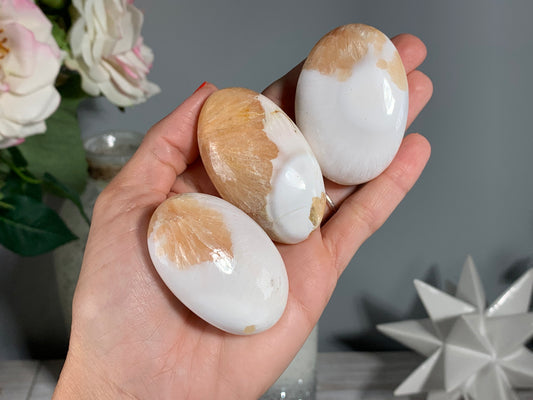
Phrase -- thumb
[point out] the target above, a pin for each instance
(169, 146)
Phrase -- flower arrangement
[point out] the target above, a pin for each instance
(54, 54)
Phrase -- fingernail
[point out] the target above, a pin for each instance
(201, 86)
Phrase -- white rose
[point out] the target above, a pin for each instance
(29, 63)
(108, 51)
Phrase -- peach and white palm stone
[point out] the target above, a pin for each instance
(218, 262)
(351, 103)
(259, 161)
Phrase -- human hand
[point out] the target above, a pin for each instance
(132, 338)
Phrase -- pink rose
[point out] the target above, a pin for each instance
(29, 63)
(108, 51)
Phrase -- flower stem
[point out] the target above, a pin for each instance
(20, 173)
(3, 204)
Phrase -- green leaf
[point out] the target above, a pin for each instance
(59, 151)
(52, 185)
(17, 157)
(59, 34)
(53, 3)
(14, 185)
(70, 88)
(16, 163)
(31, 228)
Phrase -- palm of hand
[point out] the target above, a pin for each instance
(132, 335)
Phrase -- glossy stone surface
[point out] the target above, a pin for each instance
(259, 161)
(352, 102)
(218, 262)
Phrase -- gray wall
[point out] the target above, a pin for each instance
(475, 196)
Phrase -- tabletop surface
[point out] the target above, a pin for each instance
(340, 376)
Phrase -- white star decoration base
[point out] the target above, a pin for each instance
(472, 351)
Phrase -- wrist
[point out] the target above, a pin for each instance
(80, 380)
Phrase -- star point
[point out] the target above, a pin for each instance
(472, 351)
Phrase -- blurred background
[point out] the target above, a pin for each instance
(475, 196)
